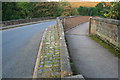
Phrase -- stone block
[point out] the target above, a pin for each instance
(42, 59)
(46, 75)
(48, 65)
(56, 61)
(46, 59)
(56, 68)
(56, 64)
(56, 58)
(56, 74)
(50, 58)
(42, 62)
(47, 69)
(41, 66)
(39, 72)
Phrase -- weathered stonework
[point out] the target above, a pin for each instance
(107, 29)
(93, 27)
(64, 56)
(119, 36)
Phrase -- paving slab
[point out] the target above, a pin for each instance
(90, 58)
(49, 66)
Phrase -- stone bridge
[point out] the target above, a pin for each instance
(82, 56)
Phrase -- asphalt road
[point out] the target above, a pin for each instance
(90, 58)
(19, 49)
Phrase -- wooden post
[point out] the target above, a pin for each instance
(64, 25)
(89, 30)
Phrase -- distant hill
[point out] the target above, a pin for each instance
(85, 4)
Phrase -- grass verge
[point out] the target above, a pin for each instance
(106, 45)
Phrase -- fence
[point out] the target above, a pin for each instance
(70, 22)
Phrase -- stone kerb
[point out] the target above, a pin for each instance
(110, 21)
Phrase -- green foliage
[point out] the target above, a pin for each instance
(53, 9)
(99, 8)
(10, 9)
(83, 10)
(24, 10)
(74, 12)
(91, 11)
(17, 10)
(111, 11)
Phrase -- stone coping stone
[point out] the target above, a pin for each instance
(64, 56)
(74, 77)
(111, 21)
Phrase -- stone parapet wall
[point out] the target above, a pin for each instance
(64, 55)
(107, 29)
(70, 22)
(119, 35)
(20, 21)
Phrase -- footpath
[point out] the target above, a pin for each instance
(89, 58)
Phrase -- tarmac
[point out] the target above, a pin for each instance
(90, 58)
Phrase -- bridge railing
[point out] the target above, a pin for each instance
(73, 21)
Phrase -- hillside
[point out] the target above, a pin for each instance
(85, 4)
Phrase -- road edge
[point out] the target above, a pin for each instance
(38, 56)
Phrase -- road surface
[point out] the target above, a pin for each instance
(19, 49)
(90, 58)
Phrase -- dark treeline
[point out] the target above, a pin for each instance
(106, 10)
(24, 10)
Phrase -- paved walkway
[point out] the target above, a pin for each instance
(49, 66)
(90, 59)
